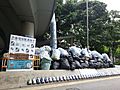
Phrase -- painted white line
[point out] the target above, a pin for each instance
(65, 84)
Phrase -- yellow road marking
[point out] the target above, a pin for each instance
(65, 84)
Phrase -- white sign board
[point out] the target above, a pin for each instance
(21, 44)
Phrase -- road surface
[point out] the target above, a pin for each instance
(109, 83)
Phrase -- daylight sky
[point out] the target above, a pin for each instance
(112, 4)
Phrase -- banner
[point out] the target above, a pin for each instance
(21, 44)
(19, 64)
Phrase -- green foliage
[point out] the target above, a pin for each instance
(117, 53)
(104, 26)
(117, 62)
(71, 20)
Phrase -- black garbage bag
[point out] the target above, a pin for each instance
(64, 63)
(81, 61)
(95, 60)
(97, 65)
(77, 58)
(71, 62)
(78, 66)
(70, 53)
(111, 65)
(84, 65)
(101, 65)
(91, 65)
(72, 66)
(106, 65)
(55, 65)
(70, 58)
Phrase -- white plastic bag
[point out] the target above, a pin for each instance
(106, 57)
(37, 51)
(55, 54)
(45, 48)
(96, 54)
(63, 52)
(75, 51)
(45, 54)
(85, 52)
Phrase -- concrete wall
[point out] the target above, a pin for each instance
(19, 79)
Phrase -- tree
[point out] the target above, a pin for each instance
(72, 21)
(111, 33)
(104, 26)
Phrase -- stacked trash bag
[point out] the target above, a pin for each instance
(73, 58)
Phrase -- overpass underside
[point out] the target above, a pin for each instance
(24, 17)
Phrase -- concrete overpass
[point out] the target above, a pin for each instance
(24, 17)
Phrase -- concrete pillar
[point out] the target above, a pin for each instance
(28, 29)
(53, 33)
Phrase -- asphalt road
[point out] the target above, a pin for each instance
(109, 83)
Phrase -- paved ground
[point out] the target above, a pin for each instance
(111, 83)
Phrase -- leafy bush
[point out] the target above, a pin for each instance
(117, 62)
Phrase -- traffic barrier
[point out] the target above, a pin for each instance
(38, 80)
(57, 79)
(53, 79)
(46, 79)
(61, 78)
(70, 77)
(50, 79)
(64, 77)
(42, 80)
(34, 81)
(29, 82)
(83, 74)
(67, 78)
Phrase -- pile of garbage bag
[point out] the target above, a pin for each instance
(73, 58)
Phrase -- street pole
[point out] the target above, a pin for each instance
(87, 25)
(53, 33)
